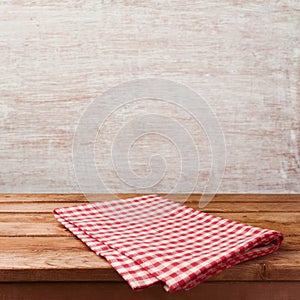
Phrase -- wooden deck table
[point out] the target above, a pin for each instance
(40, 259)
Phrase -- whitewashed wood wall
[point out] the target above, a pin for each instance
(243, 57)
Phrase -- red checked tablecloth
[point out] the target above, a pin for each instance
(150, 239)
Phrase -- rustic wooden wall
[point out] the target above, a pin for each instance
(241, 56)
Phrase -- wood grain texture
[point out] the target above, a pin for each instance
(242, 57)
(36, 248)
(41, 243)
(33, 224)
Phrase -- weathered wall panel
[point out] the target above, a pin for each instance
(243, 57)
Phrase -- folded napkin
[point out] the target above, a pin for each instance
(150, 239)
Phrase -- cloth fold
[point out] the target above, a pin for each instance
(151, 239)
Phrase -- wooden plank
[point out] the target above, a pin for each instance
(285, 218)
(288, 218)
(27, 217)
(249, 207)
(28, 207)
(116, 291)
(33, 229)
(176, 197)
(59, 243)
(68, 265)
(211, 207)
(45, 224)
(243, 198)
(38, 243)
(291, 242)
(42, 198)
(26, 259)
(55, 229)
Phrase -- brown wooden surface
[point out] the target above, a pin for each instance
(36, 248)
(121, 291)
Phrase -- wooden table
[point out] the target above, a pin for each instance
(40, 259)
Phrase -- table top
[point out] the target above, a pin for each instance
(35, 247)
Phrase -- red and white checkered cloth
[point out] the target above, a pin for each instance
(149, 239)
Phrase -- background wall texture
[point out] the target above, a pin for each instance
(243, 57)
